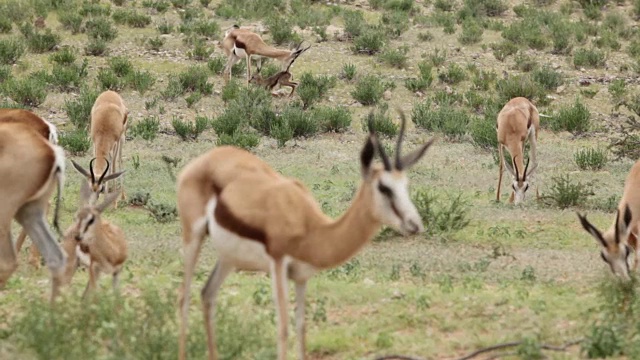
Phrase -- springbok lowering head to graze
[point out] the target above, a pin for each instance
(49, 132)
(97, 185)
(260, 220)
(517, 121)
(243, 43)
(31, 167)
(108, 127)
(102, 242)
(621, 239)
(282, 77)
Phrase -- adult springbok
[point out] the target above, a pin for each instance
(517, 121)
(49, 132)
(621, 239)
(260, 220)
(97, 185)
(31, 167)
(241, 43)
(108, 127)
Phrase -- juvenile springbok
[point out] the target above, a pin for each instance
(101, 241)
(517, 121)
(621, 239)
(108, 128)
(282, 77)
(31, 167)
(241, 43)
(49, 132)
(260, 220)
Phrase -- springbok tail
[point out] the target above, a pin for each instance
(59, 174)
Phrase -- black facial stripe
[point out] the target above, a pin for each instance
(89, 223)
(604, 258)
(385, 190)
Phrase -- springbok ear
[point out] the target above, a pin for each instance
(113, 176)
(591, 229)
(622, 227)
(81, 170)
(366, 156)
(108, 200)
(413, 157)
(509, 168)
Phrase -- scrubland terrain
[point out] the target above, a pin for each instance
(483, 273)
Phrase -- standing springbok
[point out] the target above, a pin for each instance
(102, 242)
(260, 220)
(282, 78)
(243, 43)
(621, 239)
(108, 128)
(30, 167)
(49, 132)
(517, 121)
(97, 185)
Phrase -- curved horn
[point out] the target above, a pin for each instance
(93, 176)
(372, 132)
(403, 123)
(515, 166)
(104, 173)
(524, 174)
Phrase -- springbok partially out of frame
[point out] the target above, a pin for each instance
(621, 239)
(517, 121)
(31, 167)
(260, 220)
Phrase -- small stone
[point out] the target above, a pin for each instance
(397, 294)
(387, 95)
(560, 89)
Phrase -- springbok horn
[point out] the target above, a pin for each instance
(104, 173)
(93, 177)
(403, 123)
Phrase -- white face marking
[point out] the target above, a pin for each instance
(617, 262)
(519, 191)
(394, 205)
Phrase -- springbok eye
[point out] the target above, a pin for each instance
(526, 187)
(90, 222)
(385, 190)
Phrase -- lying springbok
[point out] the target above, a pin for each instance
(517, 121)
(282, 78)
(99, 241)
(49, 132)
(621, 239)
(241, 43)
(108, 127)
(260, 220)
(31, 167)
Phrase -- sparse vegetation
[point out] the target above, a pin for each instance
(368, 90)
(590, 158)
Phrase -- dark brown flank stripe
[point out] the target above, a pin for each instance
(225, 218)
(240, 44)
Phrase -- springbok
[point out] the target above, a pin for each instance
(108, 128)
(260, 220)
(283, 77)
(517, 121)
(31, 167)
(49, 132)
(621, 239)
(241, 43)
(97, 185)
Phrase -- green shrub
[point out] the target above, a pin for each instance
(617, 89)
(79, 111)
(76, 142)
(440, 214)
(349, 71)
(590, 158)
(301, 122)
(281, 131)
(471, 32)
(453, 123)
(313, 88)
(516, 86)
(394, 23)
(281, 29)
(147, 128)
(424, 80)
(453, 74)
(10, 51)
(250, 9)
(483, 133)
(5, 74)
(108, 80)
(41, 42)
(525, 63)
(443, 5)
(29, 91)
(369, 42)
(574, 118)
(589, 57)
(438, 57)
(396, 58)
(5, 25)
(164, 27)
(141, 81)
(548, 78)
(354, 22)
(229, 122)
(368, 90)
(564, 193)
(120, 65)
(189, 130)
(70, 20)
(195, 79)
(96, 47)
(101, 29)
(239, 139)
(68, 77)
(217, 64)
(334, 119)
(138, 20)
(209, 29)
(180, 4)
(381, 122)
(94, 9)
(66, 56)
(504, 49)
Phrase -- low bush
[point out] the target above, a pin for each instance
(189, 130)
(10, 51)
(565, 193)
(30, 91)
(573, 118)
(381, 121)
(589, 58)
(368, 90)
(590, 158)
(76, 142)
(79, 110)
(441, 214)
(146, 128)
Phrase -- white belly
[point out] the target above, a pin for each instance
(239, 52)
(248, 254)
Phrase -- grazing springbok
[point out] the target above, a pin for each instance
(97, 185)
(108, 127)
(260, 220)
(517, 121)
(241, 43)
(99, 241)
(31, 167)
(283, 77)
(49, 132)
(621, 239)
